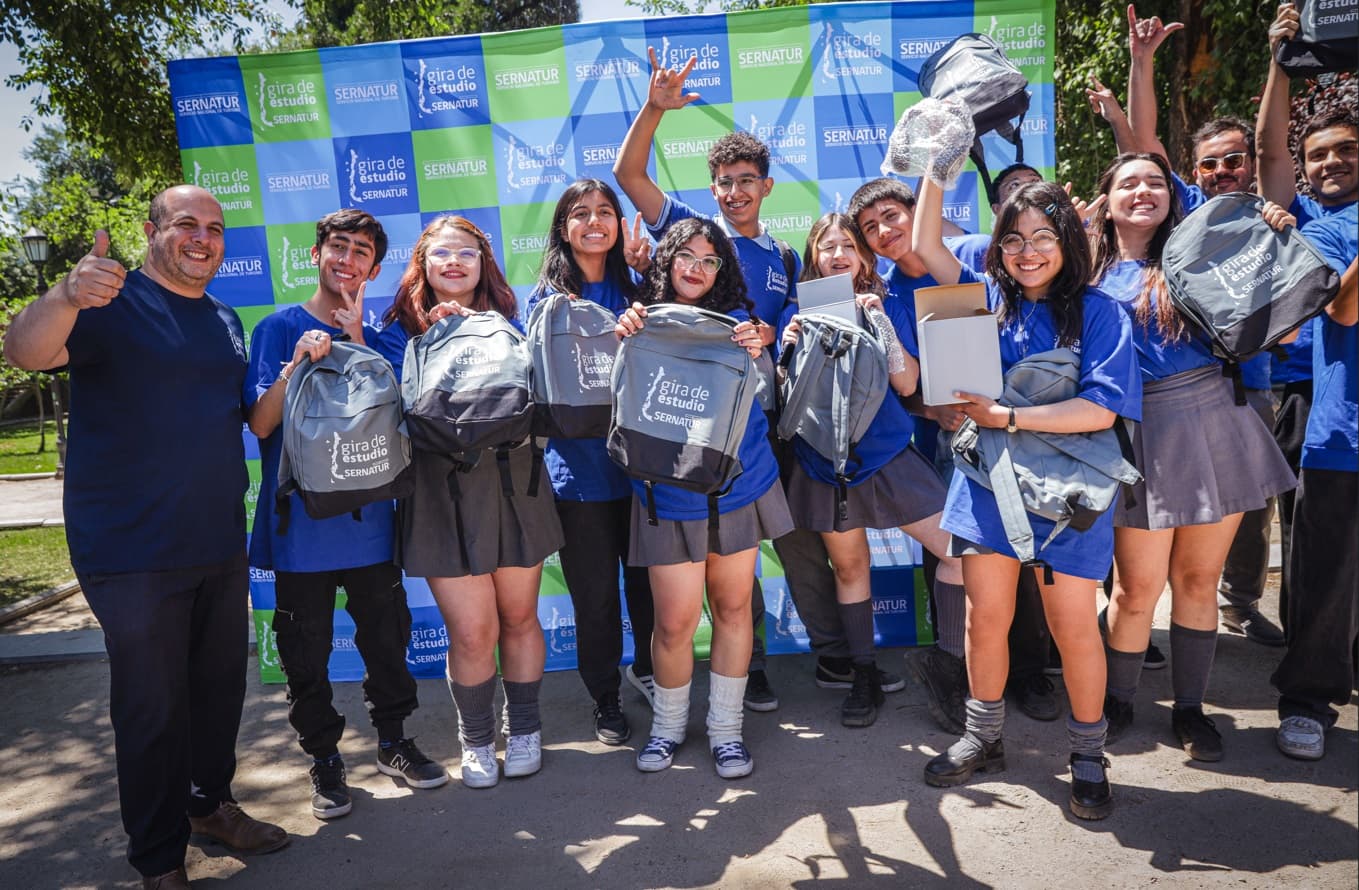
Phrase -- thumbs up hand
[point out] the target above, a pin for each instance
(96, 279)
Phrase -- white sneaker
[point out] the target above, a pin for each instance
(1301, 737)
(479, 767)
(643, 683)
(523, 754)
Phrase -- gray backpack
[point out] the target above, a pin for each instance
(344, 442)
(573, 347)
(1070, 478)
(837, 379)
(682, 395)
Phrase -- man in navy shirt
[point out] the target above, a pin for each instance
(312, 558)
(155, 517)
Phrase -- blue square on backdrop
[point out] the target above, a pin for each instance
(835, 193)
(209, 102)
(595, 141)
(918, 31)
(535, 159)
(852, 132)
(445, 82)
(607, 68)
(788, 127)
(403, 230)
(678, 39)
(243, 278)
(297, 180)
(960, 203)
(851, 49)
(366, 89)
(377, 173)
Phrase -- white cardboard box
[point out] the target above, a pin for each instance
(959, 343)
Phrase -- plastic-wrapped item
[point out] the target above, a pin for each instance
(887, 335)
(932, 139)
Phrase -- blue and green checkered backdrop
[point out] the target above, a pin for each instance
(493, 126)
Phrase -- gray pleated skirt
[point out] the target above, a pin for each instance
(677, 541)
(480, 529)
(1202, 456)
(907, 489)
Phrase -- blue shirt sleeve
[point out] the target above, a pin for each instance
(903, 321)
(269, 350)
(1335, 238)
(391, 343)
(1110, 374)
(672, 212)
(1191, 196)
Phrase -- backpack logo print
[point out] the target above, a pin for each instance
(356, 460)
(594, 370)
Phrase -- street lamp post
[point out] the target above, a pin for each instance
(37, 249)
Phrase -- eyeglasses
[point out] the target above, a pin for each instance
(746, 182)
(1043, 241)
(464, 255)
(1234, 161)
(709, 264)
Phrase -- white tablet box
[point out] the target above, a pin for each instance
(959, 343)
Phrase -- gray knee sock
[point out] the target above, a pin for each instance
(950, 615)
(1125, 672)
(521, 706)
(476, 719)
(857, 619)
(1087, 738)
(985, 720)
(1191, 660)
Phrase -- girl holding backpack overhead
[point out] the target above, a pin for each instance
(1037, 270)
(1205, 461)
(480, 548)
(892, 484)
(587, 256)
(696, 265)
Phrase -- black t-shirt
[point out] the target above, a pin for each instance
(155, 464)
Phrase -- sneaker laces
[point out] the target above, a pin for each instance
(406, 749)
(730, 752)
(608, 707)
(482, 755)
(519, 744)
(328, 773)
(658, 746)
(861, 693)
(1299, 725)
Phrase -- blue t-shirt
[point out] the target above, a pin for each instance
(309, 545)
(1332, 440)
(1307, 209)
(580, 469)
(1191, 196)
(970, 250)
(767, 283)
(890, 430)
(1299, 363)
(1158, 357)
(155, 466)
(759, 471)
(1109, 378)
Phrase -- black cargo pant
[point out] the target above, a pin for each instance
(304, 624)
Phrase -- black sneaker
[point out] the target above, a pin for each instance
(865, 697)
(611, 727)
(838, 673)
(944, 679)
(329, 793)
(759, 694)
(1154, 659)
(1091, 799)
(1119, 714)
(405, 761)
(1197, 733)
(1035, 696)
(1251, 624)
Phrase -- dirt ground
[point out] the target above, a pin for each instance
(825, 805)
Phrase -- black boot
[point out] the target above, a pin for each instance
(1091, 800)
(967, 755)
(865, 697)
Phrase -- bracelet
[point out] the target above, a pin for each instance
(287, 372)
(1013, 425)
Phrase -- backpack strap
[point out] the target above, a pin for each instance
(1010, 504)
(1233, 370)
(283, 505)
(1040, 564)
(714, 542)
(650, 504)
(536, 473)
(1125, 445)
(502, 462)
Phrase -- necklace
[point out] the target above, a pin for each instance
(1024, 333)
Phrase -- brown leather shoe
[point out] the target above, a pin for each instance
(171, 880)
(232, 828)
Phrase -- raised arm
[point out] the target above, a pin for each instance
(1274, 165)
(1145, 36)
(665, 92)
(36, 339)
(927, 239)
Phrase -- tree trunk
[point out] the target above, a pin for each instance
(42, 421)
(57, 409)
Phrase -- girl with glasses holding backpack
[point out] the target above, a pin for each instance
(696, 265)
(480, 549)
(1037, 269)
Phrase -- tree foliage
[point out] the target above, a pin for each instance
(346, 22)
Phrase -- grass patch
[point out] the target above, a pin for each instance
(32, 560)
(19, 449)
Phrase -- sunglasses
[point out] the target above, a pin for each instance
(1234, 161)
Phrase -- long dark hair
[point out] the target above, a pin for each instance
(1168, 319)
(867, 280)
(560, 272)
(1066, 292)
(729, 286)
(414, 296)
